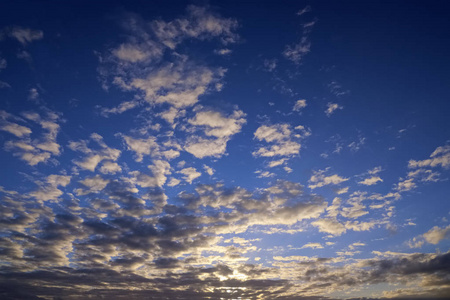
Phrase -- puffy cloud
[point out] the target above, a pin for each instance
(371, 180)
(37, 150)
(299, 105)
(137, 53)
(434, 236)
(122, 107)
(49, 190)
(199, 23)
(109, 167)
(141, 146)
(282, 139)
(331, 108)
(201, 147)
(92, 185)
(217, 125)
(94, 157)
(312, 246)
(329, 225)
(439, 157)
(406, 185)
(178, 84)
(24, 35)
(319, 179)
(210, 171)
(297, 52)
(190, 174)
(16, 129)
(303, 11)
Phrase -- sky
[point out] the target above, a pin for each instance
(290, 150)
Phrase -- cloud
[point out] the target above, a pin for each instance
(299, 105)
(39, 149)
(202, 147)
(92, 185)
(331, 108)
(298, 51)
(312, 246)
(94, 157)
(282, 140)
(123, 107)
(224, 51)
(16, 129)
(49, 190)
(329, 225)
(217, 125)
(24, 35)
(319, 179)
(434, 236)
(141, 146)
(109, 167)
(190, 174)
(210, 171)
(199, 23)
(439, 157)
(134, 53)
(371, 180)
(303, 11)
(33, 94)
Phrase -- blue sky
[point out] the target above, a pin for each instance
(237, 150)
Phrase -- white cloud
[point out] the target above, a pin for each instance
(312, 246)
(24, 35)
(303, 11)
(297, 51)
(177, 84)
(406, 185)
(92, 185)
(201, 147)
(319, 179)
(330, 225)
(136, 53)
(210, 171)
(199, 23)
(264, 174)
(49, 190)
(281, 140)
(171, 114)
(94, 157)
(217, 125)
(16, 129)
(331, 108)
(141, 146)
(224, 51)
(439, 157)
(275, 163)
(122, 107)
(190, 174)
(109, 167)
(434, 236)
(160, 169)
(37, 150)
(437, 234)
(299, 105)
(173, 182)
(33, 94)
(371, 180)
(270, 65)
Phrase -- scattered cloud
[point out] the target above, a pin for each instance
(331, 108)
(299, 105)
